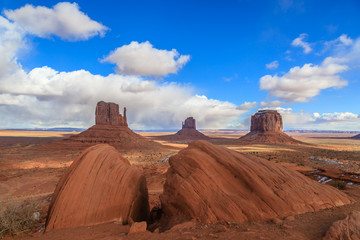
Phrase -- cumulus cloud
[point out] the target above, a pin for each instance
(299, 42)
(301, 84)
(339, 44)
(44, 97)
(336, 117)
(145, 60)
(320, 121)
(246, 106)
(51, 98)
(275, 103)
(64, 20)
(272, 65)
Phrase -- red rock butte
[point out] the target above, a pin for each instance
(211, 184)
(111, 127)
(100, 186)
(187, 132)
(267, 127)
(108, 114)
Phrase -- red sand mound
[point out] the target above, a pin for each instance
(346, 229)
(267, 127)
(214, 184)
(188, 132)
(99, 186)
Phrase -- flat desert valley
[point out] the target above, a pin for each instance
(32, 162)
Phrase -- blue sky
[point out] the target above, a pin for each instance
(219, 61)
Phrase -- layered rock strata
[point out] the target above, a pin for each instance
(267, 127)
(100, 186)
(188, 132)
(211, 184)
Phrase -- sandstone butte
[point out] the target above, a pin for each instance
(346, 229)
(187, 132)
(267, 127)
(211, 184)
(100, 186)
(111, 127)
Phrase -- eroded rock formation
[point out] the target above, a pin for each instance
(107, 113)
(346, 229)
(189, 123)
(267, 127)
(112, 128)
(99, 186)
(188, 132)
(211, 184)
(266, 120)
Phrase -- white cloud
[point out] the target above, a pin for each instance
(318, 121)
(299, 42)
(145, 60)
(64, 20)
(246, 106)
(339, 44)
(344, 39)
(272, 65)
(44, 97)
(51, 98)
(275, 103)
(301, 84)
(335, 117)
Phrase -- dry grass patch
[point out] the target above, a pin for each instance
(18, 217)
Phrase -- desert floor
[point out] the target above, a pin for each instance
(31, 163)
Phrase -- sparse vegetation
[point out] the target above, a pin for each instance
(339, 184)
(18, 217)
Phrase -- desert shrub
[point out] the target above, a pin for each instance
(339, 184)
(18, 217)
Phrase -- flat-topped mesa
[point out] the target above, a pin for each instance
(189, 123)
(107, 113)
(266, 120)
(267, 127)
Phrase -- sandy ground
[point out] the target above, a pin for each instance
(29, 168)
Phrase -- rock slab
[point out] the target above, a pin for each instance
(107, 113)
(100, 186)
(211, 184)
(346, 229)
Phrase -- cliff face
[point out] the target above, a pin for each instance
(111, 127)
(267, 127)
(108, 114)
(266, 120)
(189, 123)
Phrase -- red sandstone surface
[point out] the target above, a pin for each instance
(346, 229)
(100, 186)
(212, 184)
(108, 114)
(267, 127)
